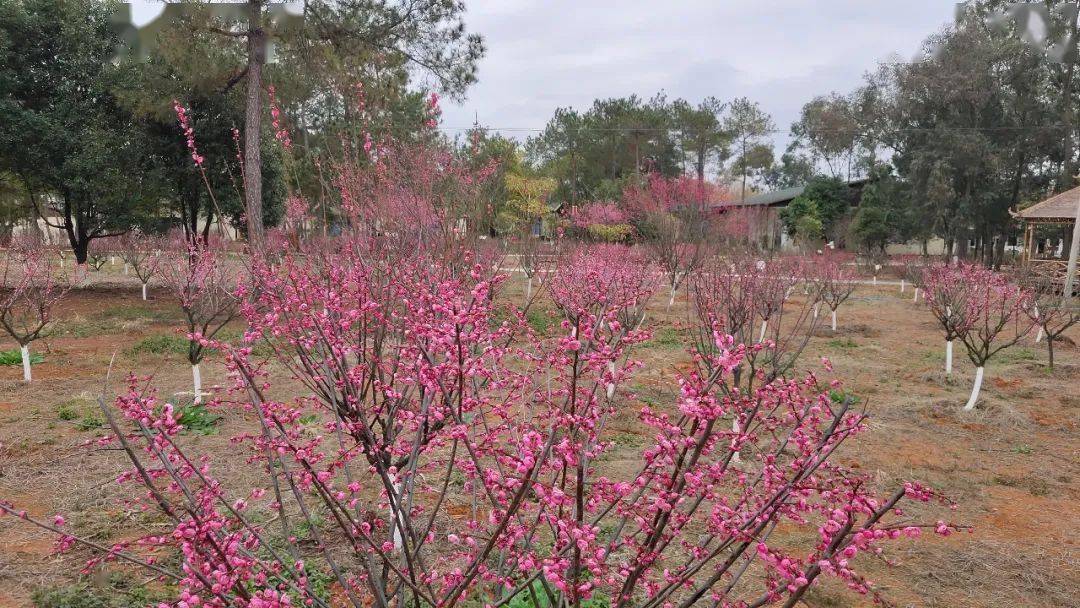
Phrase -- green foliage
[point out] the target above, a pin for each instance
(614, 233)
(80, 409)
(843, 343)
(160, 344)
(14, 357)
(197, 419)
(669, 337)
(536, 598)
(884, 213)
(119, 591)
(540, 320)
(818, 210)
(870, 228)
(66, 411)
(749, 127)
(592, 154)
(62, 130)
(89, 422)
(838, 397)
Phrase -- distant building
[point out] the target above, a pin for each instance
(764, 212)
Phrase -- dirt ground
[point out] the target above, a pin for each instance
(1012, 465)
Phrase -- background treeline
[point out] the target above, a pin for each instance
(980, 122)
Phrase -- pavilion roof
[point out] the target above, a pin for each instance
(1058, 207)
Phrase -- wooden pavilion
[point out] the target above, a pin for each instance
(1045, 225)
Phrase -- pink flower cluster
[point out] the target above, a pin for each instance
(280, 132)
(189, 132)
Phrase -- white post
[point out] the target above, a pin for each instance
(144, 291)
(25, 362)
(903, 284)
(975, 389)
(764, 326)
(197, 377)
(834, 320)
(875, 280)
(948, 358)
(1039, 335)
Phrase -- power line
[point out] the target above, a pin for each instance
(1047, 128)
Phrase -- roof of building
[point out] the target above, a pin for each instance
(1058, 207)
(784, 196)
(774, 197)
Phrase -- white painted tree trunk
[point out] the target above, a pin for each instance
(528, 289)
(398, 544)
(671, 300)
(735, 429)
(834, 320)
(25, 350)
(975, 390)
(875, 280)
(903, 284)
(948, 357)
(916, 298)
(1038, 336)
(816, 307)
(126, 268)
(196, 376)
(611, 385)
(764, 326)
(144, 291)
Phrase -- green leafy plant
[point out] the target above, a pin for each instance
(89, 422)
(197, 419)
(65, 411)
(14, 357)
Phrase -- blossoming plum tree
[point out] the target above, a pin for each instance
(461, 460)
(141, 254)
(947, 297)
(29, 291)
(834, 280)
(981, 307)
(199, 276)
(1051, 313)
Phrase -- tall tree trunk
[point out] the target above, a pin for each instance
(256, 40)
(1068, 169)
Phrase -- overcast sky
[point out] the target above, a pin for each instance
(546, 54)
